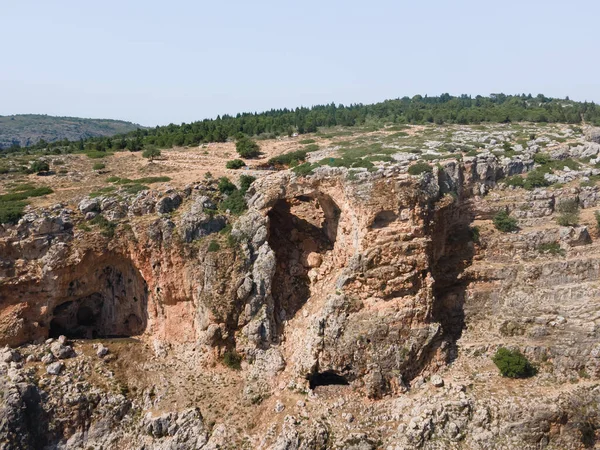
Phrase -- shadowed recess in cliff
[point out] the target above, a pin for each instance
(110, 301)
(301, 231)
(327, 378)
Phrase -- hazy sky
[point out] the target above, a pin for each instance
(156, 62)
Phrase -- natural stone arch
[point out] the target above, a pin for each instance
(302, 230)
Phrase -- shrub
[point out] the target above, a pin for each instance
(107, 227)
(225, 186)
(475, 234)
(246, 147)
(245, 182)
(569, 213)
(39, 166)
(214, 246)
(513, 364)
(307, 141)
(597, 217)
(232, 359)
(288, 158)
(98, 166)
(552, 248)
(235, 202)
(151, 153)
(419, 168)
(94, 154)
(541, 158)
(515, 180)
(304, 169)
(11, 212)
(535, 179)
(235, 164)
(505, 223)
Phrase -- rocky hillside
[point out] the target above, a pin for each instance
(28, 129)
(343, 308)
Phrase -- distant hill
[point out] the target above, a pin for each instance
(28, 129)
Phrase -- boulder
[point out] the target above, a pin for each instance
(89, 205)
(55, 368)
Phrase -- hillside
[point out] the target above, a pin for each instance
(28, 129)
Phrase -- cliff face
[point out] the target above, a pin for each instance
(353, 289)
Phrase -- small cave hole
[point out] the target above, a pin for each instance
(383, 219)
(327, 378)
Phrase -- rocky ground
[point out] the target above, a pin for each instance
(350, 308)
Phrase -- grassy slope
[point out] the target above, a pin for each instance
(28, 129)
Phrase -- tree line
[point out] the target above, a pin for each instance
(443, 109)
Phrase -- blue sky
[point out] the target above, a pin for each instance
(156, 62)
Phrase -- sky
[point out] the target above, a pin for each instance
(156, 62)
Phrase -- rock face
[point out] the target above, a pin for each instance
(330, 290)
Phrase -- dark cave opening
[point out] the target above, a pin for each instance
(301, 231)
(327, 378)
(103, 304)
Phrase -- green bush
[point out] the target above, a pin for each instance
(542, 158)
(307, 141)
(513, 364)
(246, 147)
(225, 186)
(107, 227)
(419, 168)
(535, 179)
(235, 164)
(151, 153)
(475, 234)
(245, 182)
(515, 180)
(552, 248)
(98, 166)
(235, 203)
(232, 359)
(39, 166)
(214, 246)
(287, 158)
(569, 213)
(597, 217)
(505, 223)
(11, 212)
(304, 169)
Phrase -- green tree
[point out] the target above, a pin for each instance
(235, 164)
(39, 167)
(513, 364)
(246, 147)
(151, 153)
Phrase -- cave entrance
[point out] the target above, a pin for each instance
(301, 231)
(116, 306)
(327, 378)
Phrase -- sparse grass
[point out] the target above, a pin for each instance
(307, 141)
(98, 166)
(214, 246)
(145, 180)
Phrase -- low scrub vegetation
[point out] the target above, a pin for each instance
(232, 359)
(512, 364)
(235, 164)
(419, 168)
(12, 205)
(504, 222)
(551, 248)
(568, 213)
